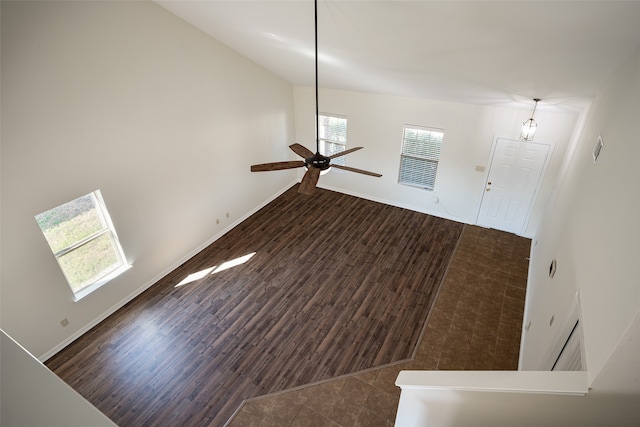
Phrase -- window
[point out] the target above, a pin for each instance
(84, 241)
(332, 135)
(420, 156)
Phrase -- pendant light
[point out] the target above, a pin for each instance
(529, 126)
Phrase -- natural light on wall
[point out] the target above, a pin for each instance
(84, 242)
(215, 269)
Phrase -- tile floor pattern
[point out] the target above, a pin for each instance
(475, 324)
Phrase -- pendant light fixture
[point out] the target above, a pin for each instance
(529, 126)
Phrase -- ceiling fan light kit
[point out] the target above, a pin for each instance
(319, 161)
(315, 164)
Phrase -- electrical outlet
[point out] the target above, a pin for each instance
(64, 322)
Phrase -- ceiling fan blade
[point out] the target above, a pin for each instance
(309, 180)
(264, 167)
(345, 152)
(301, 150)
(350, 169)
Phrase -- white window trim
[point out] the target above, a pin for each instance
(77, 296)
(108, 229)
(403, 155)
(340, 160)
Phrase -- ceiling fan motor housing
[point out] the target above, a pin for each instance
(318, 161)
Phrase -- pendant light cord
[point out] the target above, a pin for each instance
(536, 100)
(317, 118)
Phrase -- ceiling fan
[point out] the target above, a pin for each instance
(314, 163)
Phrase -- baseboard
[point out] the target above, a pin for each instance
(52, 352)
(396, 204)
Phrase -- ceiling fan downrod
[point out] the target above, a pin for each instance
(317, 160)
(315, 164)
(315, 3)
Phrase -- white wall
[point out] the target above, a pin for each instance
(592, 231)
(32, 395)
(126, 98)
(376, 122)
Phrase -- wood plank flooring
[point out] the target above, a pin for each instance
(474, 324)
(337, 284)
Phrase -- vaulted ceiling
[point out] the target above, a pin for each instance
(492, 53)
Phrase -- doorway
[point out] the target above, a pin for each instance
(515, 173)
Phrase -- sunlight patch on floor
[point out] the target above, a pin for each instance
(215, 269)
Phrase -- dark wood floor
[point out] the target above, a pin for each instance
(337, 284)
(475, 324)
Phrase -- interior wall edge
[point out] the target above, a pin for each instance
(395, 204)
(60, 346)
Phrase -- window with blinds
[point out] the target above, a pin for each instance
(420, 155)
(332, 135)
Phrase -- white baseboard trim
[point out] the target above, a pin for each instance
(396, 204)
(53, 351)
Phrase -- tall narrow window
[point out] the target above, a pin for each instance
(332, 135)
(83, 240)
(420, 156)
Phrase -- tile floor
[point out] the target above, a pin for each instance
(475, 324)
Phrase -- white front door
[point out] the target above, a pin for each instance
(515, 173)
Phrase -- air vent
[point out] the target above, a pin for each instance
(597, 148)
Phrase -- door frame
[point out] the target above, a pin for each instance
(543, 174)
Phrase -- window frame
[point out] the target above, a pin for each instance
(322, 141)
(435, 160)
(101, 278)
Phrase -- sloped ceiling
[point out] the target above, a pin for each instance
(492, 53)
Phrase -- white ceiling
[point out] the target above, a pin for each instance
(494, 53)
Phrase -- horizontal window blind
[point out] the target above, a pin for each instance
(420, 156)
(332, 133)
